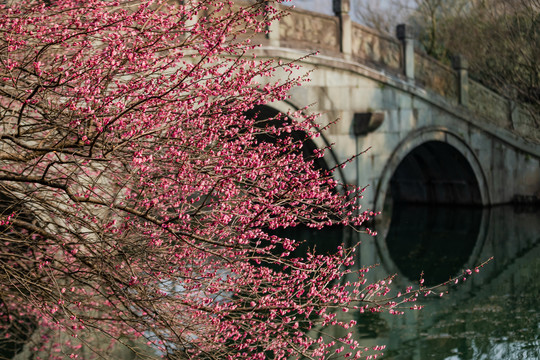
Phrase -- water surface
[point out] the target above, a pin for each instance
(492, 315)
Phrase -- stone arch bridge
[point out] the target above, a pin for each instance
(435, 136)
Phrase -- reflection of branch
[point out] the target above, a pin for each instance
(412, 295)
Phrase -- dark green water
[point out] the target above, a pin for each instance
(493, 315)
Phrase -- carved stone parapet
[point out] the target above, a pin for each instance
(310, 31)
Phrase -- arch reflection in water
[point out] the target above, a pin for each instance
(423, 238)
(493, 315)
(324, 241)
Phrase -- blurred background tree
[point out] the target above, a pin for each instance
(499, 38)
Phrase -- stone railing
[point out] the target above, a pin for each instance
(484, 101)
(311, 31)
(434, 75)
(339, 37)
(371, 47)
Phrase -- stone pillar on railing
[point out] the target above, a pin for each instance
(273, 33)
(405, 35)
(513, 108)
(461, 65)
(341, 9)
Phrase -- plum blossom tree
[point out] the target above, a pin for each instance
(138, 199)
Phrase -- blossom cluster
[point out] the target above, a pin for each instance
(139, 199)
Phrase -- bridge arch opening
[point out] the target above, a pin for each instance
(436, 159)
(267, 115)
(325, 240)
(434, 173)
